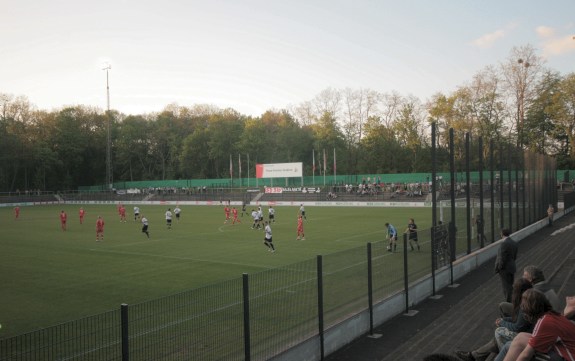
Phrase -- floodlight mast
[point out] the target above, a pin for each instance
(109, 179)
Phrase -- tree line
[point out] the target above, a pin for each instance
(519, 101)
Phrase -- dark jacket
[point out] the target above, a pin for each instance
(506, 256)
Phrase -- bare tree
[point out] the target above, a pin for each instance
(521, 73)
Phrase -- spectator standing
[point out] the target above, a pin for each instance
(550, 212)
(412, 234)
(480, 230)
(505, 263)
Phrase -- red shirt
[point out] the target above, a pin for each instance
(63, 217)
(554, 331)
(82, 213)
(235, 212)
(100, 224)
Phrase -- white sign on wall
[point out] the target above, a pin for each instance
(279, 170)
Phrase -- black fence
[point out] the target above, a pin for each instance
(253, 317)
(262, 315)
(512, 188)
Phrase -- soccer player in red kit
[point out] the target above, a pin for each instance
(99, 229)
(122, 213)
(235, 213)
(81, 213)
(63, 218)
(16, 212)
(300, 234)
(227, 212)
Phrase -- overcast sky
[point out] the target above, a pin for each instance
(255, 55)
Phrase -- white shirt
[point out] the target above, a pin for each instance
(168, 215)
(145, 221)
(177, 211)
(268, 232)
(255, 215)
(271, 211)
(136, 210)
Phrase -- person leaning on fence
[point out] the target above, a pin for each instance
(550, 212)
(392, 236)
(479, 229)
(412, 234)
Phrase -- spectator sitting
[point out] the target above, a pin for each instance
(507, 327)
(553, 337)
(534, 275)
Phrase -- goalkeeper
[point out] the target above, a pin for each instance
(392, 236)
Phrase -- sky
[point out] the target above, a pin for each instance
(259, 55)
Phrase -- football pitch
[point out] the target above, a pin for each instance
(50, 276)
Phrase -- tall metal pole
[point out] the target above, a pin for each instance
(109, 180)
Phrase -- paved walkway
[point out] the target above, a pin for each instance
(463, 318)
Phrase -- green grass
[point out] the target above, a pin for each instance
(49, 276)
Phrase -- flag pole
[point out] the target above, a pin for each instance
(313, 166)
(240, 168)
(334, 166)
(231, 172)
(324, 166)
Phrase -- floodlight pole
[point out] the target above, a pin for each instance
(109, 180)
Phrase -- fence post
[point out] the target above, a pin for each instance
(370, 287)
(246, 296)
(125, 332)
(509, 188)
(405, 273)
(320, 304)
(468, 191)
(433, 258)
(481, 221)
